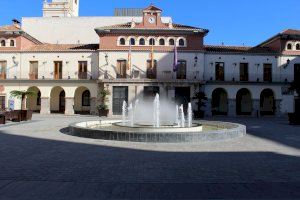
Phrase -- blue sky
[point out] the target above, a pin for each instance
(234, 22)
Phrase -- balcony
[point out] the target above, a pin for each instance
(2, 75)
(33, 76)
(82, 75)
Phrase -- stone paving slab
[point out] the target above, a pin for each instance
(39, 161)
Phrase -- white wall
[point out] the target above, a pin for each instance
(72, 30)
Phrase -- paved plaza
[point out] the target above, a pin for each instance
(38, 160)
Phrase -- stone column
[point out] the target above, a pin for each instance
(231, 107)
(45, 105)
(93, 109)
(69, 107)
(278, 108)
(207, 108)
(256, 108)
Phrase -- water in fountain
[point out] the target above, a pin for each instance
(182, 119)
(135, 110)
(190, 115)
(124, 109)
(131, 114)
(156, 111)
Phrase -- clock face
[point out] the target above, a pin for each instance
(151, 20)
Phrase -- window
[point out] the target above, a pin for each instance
(268, 72)
(181, 72)
(3, 43)
(152, 41)
(181, 42)
(34, 68)
(171, 42)
(243, 71)
(289, 46)
(58, 69)
(82, 70)
(142, 41)
(297, 46)
(151, 69)
(122, 41)
(12, 43)
(121, 68)
(219, 70)
(3, 65)
(162, 42)
(38, 99)
(296, 72)
(132, 41)
(86, 96)
(2, 102)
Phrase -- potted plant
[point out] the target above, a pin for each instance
(103, 107)
(21, 94)
(201, 99)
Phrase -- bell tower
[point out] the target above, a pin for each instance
(61, 8)
(152, 17)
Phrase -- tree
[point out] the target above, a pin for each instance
(22, 94)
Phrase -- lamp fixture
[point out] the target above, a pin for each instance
(287, 63)
(106, 58)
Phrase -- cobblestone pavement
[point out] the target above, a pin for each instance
(39, 161)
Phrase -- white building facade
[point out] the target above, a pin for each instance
(133, 58)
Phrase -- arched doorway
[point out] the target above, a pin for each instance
(57, 100)
(82, 101)
(219, 102)
(267, 102)
(243, 102)
(34, 102)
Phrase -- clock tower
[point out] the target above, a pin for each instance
(152, 17)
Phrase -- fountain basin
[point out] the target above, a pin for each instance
(199, 132)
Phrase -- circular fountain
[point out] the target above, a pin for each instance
(158, 122)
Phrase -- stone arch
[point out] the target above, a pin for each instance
(267, 102)
(57, 100)
(219, 102)
(181, 42)
(243, 102)
(82, 100)
(34, 102)
(121, 41)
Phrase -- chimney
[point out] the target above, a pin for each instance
(16, 23)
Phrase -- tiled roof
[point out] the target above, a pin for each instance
(9, 28)
(291, 32)
(64, 47)
(175, 27)
(239, 49)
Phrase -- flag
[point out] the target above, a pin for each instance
(152, 57)
(175, 62)
(129, 57)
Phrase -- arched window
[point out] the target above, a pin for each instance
(12, 43)
(152, 41)
(297, 46)
(3, 43)
(122, 41)
(132, 41)
(162, 42)
(38, 99)
(86, 96)
(181, 42)
(142, 41)
(171, 42)
(289, 46)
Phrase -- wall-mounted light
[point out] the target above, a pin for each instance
(14, 59)
(235, 64)
(287, 63)
(106, 58)
(257, 64)
(211, 63)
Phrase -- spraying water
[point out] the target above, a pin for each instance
(190, 115)
(177, 116)
(124, 109)
(130, 114)
(156, 111)
(182, 118)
